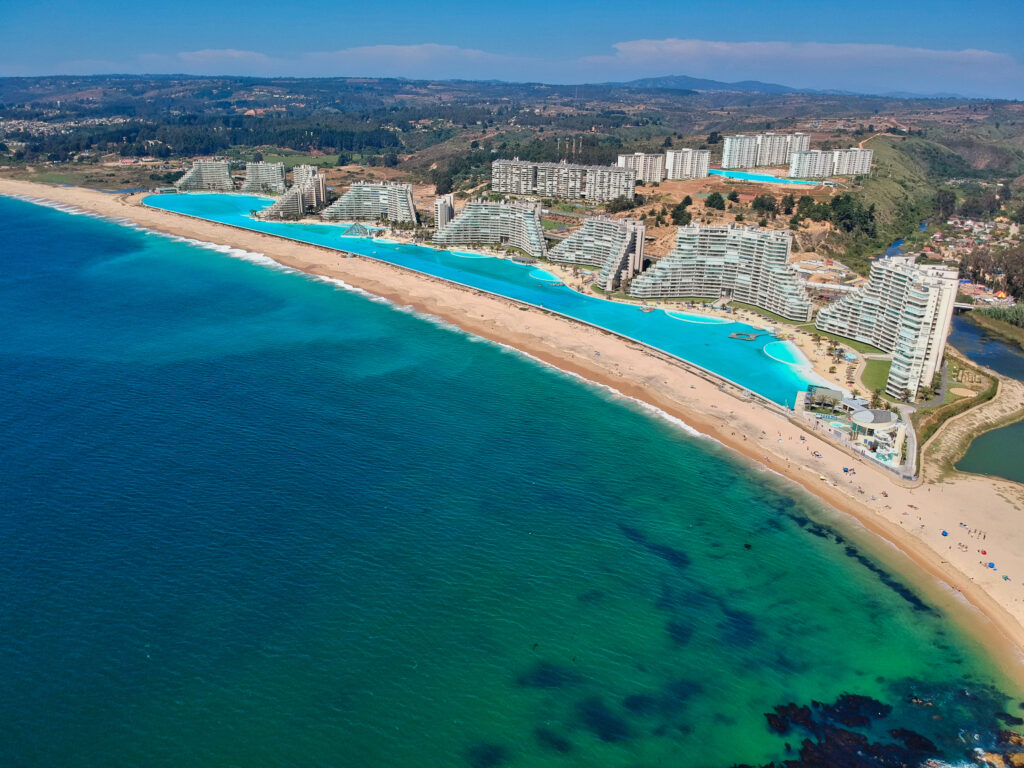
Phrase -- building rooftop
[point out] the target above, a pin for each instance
(872, 417)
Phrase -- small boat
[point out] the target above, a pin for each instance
(646, 309)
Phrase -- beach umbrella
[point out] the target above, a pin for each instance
(945, 533)
(991, 565)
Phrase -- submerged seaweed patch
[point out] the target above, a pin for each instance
(830, 534)
(679, 632)
(486, 756)
(601, 721)
(739, 627)
(549, 739)
(674, 557)
(641, 704)
(544, 674)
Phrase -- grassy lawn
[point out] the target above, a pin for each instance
(857, 346)
(548, 224)
(928, 420)
(876, 373)
(691, 299)
(762, 312)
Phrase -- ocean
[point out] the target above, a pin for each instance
(249, 517)
(774, 369)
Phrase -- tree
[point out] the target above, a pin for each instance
(687, 201)
(787, 204)
(765, 204)
(734, 196)
(667, 142)
(681, 217)
(715, 200)
(714, 137)
(257, 157)
(945, 203)
(876, 399)
(620, 204)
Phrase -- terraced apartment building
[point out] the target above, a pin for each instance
(905, 309)
(207, 175)
(687, 163)
(307, 194)
(264, 178)
(614, 245)
(745, 264)
(374, 201)
(507, 224)
(595, 183)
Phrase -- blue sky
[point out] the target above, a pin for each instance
(924, 46)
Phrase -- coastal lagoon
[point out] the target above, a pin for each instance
(996, 453)
(707, 345)
(250, 517)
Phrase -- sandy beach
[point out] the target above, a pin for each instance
(982, 516)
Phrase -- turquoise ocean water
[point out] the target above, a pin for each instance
(252, 518)
(775, 376)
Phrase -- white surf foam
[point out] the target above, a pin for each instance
(263, 260)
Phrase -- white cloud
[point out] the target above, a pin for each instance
(861, 67)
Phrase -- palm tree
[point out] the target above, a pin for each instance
(876, 399)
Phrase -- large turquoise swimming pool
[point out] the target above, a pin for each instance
(777, 374)
(763, 177)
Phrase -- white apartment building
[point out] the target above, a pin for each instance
(745, 264)
(810, 164)
(308, 193)
(775, 148)
(264, 178)
(605, 183)
(596, 183)
(212, 175)
(374, 201)
(905, 309)
(852, 162)
(515, 177)
(649, 168)
(444, 210)
(614, 245)
(820, 164)
(559, 180)
(750, 151)
(484, 223)
(739, 152)
(687, 163)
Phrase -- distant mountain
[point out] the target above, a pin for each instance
(684, 82)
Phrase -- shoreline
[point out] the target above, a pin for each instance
(908, 519)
